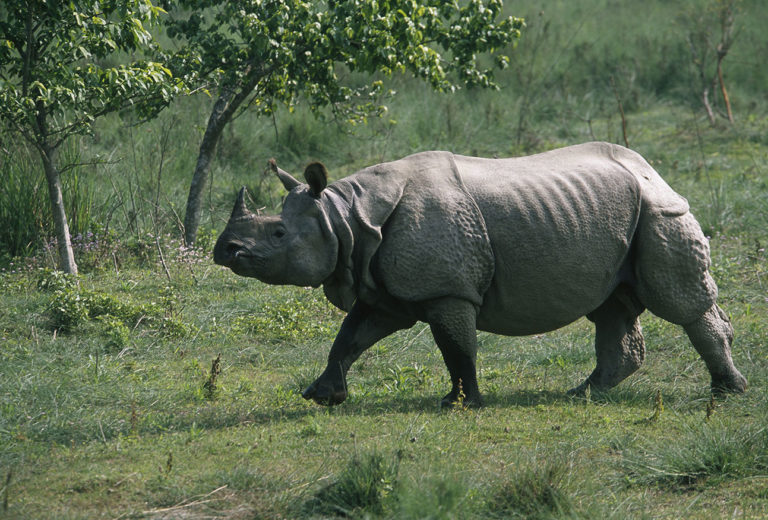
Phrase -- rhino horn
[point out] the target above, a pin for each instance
(288, 180)
(240, 210)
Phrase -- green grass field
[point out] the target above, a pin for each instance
(110, 407)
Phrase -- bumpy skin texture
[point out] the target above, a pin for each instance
(510, 246)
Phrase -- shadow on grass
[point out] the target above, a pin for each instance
(215, 415)
(526, 398)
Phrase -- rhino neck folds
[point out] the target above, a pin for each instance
(340, 286)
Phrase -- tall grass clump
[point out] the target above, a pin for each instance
(534, 493)
(25, 208)
(23, 199)
(362, 487)
(437, 499)
(703, 452)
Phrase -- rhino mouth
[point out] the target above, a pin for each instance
(228, 254)
(241, 261)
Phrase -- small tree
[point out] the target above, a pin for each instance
(259, 53)
(708, 50)
(56, 78)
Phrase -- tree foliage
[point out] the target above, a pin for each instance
(260, 53)
(56, 58)
(59, 73)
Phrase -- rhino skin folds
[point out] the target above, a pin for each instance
(511, 246)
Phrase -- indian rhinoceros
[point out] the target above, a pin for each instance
(510, 246)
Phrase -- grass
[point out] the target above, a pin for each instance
(97, 422)
(90, 427)
(111, 405)
(705, 453)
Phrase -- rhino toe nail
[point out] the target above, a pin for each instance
(729, 386)
(323, 401)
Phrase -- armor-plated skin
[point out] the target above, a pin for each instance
(511, 246)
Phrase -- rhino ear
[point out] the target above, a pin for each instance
(317, 177)
(289, 182)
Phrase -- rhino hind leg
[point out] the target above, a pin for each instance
(673, 282)
(452, 322)
(712, 335)
(619, 343)
(671, 264)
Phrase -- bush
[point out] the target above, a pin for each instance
(296, 319)
(70, 305)
(67, 309)
(52, 281)
(116, 333)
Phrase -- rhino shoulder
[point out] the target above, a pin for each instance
(436, 242)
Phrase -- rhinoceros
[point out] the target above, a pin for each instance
(513, 246)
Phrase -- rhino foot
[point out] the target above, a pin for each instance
(325, 393)
(732, 384)
(581, 390)
(452, 402)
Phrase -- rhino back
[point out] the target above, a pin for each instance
(560, 226)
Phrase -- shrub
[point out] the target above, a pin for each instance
(114, 331)
(296, 319)
(100, 304)
(67, 309)
(70, 305)
(52, 281)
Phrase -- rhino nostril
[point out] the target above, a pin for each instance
(234, 250)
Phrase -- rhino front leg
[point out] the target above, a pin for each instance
(363, 326)
(453, 325)
(619, 342)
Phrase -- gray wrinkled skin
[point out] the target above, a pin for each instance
(510, 246)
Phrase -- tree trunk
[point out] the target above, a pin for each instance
(228, 102)
(66, 255)
(707, 106)
(724, 92)
(216, 124)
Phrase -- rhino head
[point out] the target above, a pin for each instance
(297, 247)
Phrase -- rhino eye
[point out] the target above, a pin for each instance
(279, 233)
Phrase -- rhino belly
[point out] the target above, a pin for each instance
(559, 242)
(513, 308)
